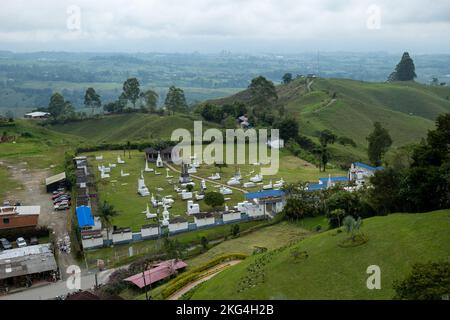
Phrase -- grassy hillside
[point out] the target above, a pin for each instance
(36, 145)
(134, 127)
(331, 272)
(349, 108)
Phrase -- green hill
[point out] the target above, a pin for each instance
(349, 108)
(395, 243)
(123, 127)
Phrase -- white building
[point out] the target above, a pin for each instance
(231, 216)
(37, 115)
(92, 239)
(150, 230)
(361, 172)
(122, 235)
(178, 224)
(204, 219)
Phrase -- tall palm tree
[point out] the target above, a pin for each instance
(107, 212)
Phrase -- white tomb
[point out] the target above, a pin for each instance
(215, 176)
(119, 160)
(123, 174)
(147, 169)
(192, 208)
(159, 162)
(142, 188)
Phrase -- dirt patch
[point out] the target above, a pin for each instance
(33, 192)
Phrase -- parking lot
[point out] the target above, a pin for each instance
(33, 193)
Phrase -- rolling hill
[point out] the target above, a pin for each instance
(124, 127)
(349, 108)
(395, 243)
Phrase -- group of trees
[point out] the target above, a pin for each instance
(421, 187)
(131, 99)
(225, 114)
(425, 184)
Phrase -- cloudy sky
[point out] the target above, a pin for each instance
(237, 25)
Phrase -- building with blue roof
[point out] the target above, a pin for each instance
(266, 202)
(84, 217)
(360, 172)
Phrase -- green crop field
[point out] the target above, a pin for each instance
(395, 243)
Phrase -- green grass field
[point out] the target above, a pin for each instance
(6, 183)
(395, 243)
(128, 127)
(39, 147)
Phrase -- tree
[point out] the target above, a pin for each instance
(405, 69)
(379, 143)
(150, 98)
(58, 107)
(107, 212)
(287, 78)
(204, 242)
(131, 90)
(427, 281)
(235, 230)
(385, 192)
(325, 137)
(262, 90)
(335, 218)
(352, 226)
(288, 128)
(92, 99)
(214, 199)
(175, 100)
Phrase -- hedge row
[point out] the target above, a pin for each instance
(195, 273)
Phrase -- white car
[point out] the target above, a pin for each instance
(21, 242)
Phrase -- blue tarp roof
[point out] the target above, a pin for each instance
(84, 217)
(264, 194)
(366, 166)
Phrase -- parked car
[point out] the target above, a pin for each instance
(5, 244)
(33, 241)
(57, 195)
(21, 242)
(62, 198)
(61, 206)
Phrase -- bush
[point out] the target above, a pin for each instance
(427, 281)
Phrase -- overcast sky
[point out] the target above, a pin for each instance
(236, 25)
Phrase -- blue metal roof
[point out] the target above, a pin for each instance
(84, 217)
(264, 194)
(333, 179)
(366, 166)
(315, 187)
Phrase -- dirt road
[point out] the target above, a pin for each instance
(33, 193)
(208, 275)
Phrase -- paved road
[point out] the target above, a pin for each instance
(59, 288)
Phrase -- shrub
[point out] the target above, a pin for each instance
(427, 281)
